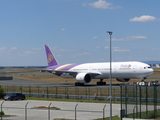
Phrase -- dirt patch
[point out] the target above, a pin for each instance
(44, 107)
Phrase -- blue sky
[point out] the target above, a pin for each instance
(75, 30)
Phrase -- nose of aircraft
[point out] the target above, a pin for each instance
(151, 71)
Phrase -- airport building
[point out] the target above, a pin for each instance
(3, 76)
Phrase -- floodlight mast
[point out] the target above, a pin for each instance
(110, 33)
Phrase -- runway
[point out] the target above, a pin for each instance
(20, 82)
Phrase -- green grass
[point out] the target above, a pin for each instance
(62, 119)
(149, 115)
(8, 115)
(108, 118)
(2, 114)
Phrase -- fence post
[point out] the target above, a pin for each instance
(104, 112)
(140, 103)
(21, 89)
(108, 92)
(100, 92)
(86, 92)
(113, 96)
(136, 101)
(38, 91)
(155, 100)
(76, 111)
(56, 92)
(29, 91)
(89, 93)
(1, 109)
(13, 88)
(49, 111)
(5, 90)
(146, 100)
(26, 111)
(47, 91)
(126, 99)
(66, 92)
(96, 93)
(77, 92)
(134, 112)
(121, 99)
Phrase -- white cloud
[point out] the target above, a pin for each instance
(36, 48)
(137, 37)
(117, 49)
(156, 49)
(85, 53)
(95, 37)
(128, 38)
(97, 47)
(144, 18)
(2, 48)
(63, 29)
(101, 4)
(106, 47)
(14, 48)
(29, 52)
(64, 50)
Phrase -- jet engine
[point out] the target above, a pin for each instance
(122, 79)
(83, 78)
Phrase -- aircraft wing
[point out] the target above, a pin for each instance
(72, 73)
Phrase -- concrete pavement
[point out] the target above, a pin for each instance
(85, 111)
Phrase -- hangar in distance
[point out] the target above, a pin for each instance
(84, 73)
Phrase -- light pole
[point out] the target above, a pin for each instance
(110, 33)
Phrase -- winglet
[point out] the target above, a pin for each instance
(50, 58)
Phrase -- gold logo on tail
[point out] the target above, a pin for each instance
(50, 57)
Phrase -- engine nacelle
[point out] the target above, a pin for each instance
(122, 79)
(83, 78)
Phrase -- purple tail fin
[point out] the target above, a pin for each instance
(50, 58)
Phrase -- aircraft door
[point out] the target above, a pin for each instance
(134, 68)
(115, 70)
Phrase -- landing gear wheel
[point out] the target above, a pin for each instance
(101, 82)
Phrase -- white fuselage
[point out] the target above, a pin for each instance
(119, 70)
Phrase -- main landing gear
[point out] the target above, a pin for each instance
(98, 83)
(142, 79)
(101, 82)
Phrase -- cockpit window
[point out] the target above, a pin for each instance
(147, 67)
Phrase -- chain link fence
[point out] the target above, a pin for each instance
(140, 101)
(136, 101)
(87, 93)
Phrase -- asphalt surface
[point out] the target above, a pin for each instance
(20, 82)
(26, 110)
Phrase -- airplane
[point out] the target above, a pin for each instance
(84, 73)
